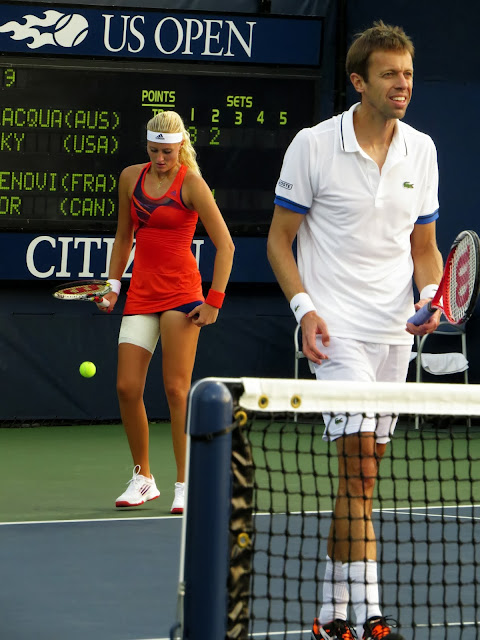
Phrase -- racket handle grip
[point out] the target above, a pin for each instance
(101, 302)
(422, 315)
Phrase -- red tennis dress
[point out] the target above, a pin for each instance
(165, 273)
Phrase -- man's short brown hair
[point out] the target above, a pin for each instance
(380, 37)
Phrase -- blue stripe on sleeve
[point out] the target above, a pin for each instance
(428, 218)
(288, 204)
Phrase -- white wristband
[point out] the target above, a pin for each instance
(115, 284)
(429, 291)
(300, 304)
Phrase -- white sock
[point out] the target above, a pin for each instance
(335, 594)
(363, 582)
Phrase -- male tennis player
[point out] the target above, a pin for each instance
(359, 191)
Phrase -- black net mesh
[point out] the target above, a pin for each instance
(423, 508)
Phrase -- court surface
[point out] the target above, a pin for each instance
(116, 579)
(74, 567)
(435, 545)
(110, 579)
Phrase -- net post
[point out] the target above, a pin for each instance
(208, 512)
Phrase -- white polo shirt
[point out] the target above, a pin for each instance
(353, 247)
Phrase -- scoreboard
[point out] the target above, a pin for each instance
(79, 83)
(69, 126)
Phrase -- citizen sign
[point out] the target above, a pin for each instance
(77, 257)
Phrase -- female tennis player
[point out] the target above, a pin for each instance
(160, 202)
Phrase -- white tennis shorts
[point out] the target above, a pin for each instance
(361, 362)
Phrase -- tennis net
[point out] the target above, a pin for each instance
(262, 484)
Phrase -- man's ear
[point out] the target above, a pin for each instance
(358, 82)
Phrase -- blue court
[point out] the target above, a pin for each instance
(116, 579)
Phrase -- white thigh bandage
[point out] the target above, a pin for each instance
(141, 330)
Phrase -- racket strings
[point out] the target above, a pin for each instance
(82, 290)
(461, 283)
(91, 288)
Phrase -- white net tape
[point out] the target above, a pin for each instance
(311, 396)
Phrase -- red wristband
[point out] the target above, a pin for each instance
(215, 298)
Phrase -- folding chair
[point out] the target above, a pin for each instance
(443, 363)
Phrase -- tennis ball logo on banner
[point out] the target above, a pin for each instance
(69, 30)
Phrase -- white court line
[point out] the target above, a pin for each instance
(399, 510)
(89, 520)
(442, 516)
(278, 633)
(424, 511)
(260, 634)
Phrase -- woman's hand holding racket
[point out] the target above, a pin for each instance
(101, 302)
(458, 291)
(85, 291)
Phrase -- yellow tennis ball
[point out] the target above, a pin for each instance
(88, 369)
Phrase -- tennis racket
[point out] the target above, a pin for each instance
(84, 290)
(458, 291)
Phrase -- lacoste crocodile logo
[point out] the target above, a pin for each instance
(408, 185)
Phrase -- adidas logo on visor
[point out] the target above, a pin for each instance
(160, 136)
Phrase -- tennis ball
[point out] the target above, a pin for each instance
(88, 369)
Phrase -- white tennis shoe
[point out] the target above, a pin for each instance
(140, 489)
(179, 500)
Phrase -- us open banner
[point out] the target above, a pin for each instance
(159, 35)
